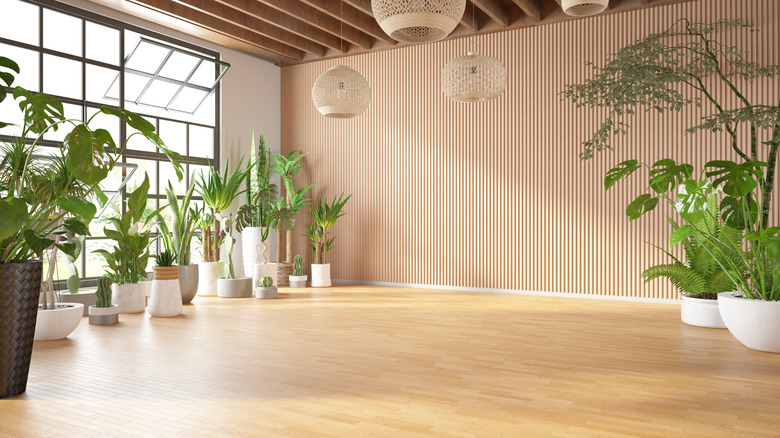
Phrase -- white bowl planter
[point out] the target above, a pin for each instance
(263, 269)
(103, 315)
(701, 312)
(58, 323)
(208, 273)
(298, 280)
(320, 275)
(188, 282)
(755, 323)
(165, 300)
(234, 287)
(131, 298)
(266, 292)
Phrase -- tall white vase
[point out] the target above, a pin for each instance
(165, 299)
(320, 275)
(129, 298)
(250, 238)
(208, 272)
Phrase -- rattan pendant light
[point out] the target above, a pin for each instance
(474, 77)
(583, 8)
(418, 21)
(341, 92)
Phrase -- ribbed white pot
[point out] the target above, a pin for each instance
(755, 323)
(263, 269)
(130, 298)
(165, 300)
(208, 273)
(701, 312)
(320, 275)
(250, 238)
(234, 287)
(298, 280)
(58, 323)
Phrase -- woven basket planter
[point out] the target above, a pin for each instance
(20, 284)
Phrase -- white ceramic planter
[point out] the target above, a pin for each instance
(165, 300)
(87, 298)
(263, 269)
(234, 287)
(208, 273)
(266, 292)
(103, 315)
(58, 323)
(701, 312)
(755, 323)
(320, 275)
(188, 282)
(298, 280)
(250, 238)
(131, 298)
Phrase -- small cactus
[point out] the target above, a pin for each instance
(267, 281)
(298, 265)
(103, 293)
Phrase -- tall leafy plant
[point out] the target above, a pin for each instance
(260, 192)
(177, 238)
(287, 166)
(324, 215)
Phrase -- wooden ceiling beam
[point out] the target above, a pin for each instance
(494, 9)
(351, 17)
(214, 24)
(363, 6)
(253, 24)
(286, 22)
(530, 8)
(322, 21)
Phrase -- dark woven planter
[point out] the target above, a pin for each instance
(20, 284)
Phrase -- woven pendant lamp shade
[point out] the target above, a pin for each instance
(341, 93)
(473, 78)
(583, 8)
(418, 21)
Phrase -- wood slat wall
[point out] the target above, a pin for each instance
(493, 195)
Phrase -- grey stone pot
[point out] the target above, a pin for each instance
(87, 298)
(188, 282)
(265, 292)
(298, 280)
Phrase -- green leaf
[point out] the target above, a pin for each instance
(41, 111)
(69, 248)
(75, 226)
(641, 205)
(666, 174)
(36, 243)
(136, 202)
(734, 215)
(679, 235)
(692, 199)
(83, 210)
(81, 147)
(619, 172)
(13, 217)
(738, 179)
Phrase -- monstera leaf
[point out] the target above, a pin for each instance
(692, 199)
(641, 205)
(733, 214)
(665, 175)
(738, 179)
(41, 111)
(622, 170)
(6, 78)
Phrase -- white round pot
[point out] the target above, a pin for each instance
(320, 275)
(263, 269)
(298, 280)
(266, 292)
(188, 282)
(250, 238)
(58, 323)
(87, 298)
(103, 315)
(234, 287)
(701, 312)
(208, 273)
(165, 300)
(755, 323)
(131, 298)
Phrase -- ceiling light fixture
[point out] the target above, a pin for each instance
(583, 8)
(418, 21)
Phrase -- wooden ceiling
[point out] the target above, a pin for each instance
(288, 32)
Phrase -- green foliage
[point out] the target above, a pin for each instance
(260, 192)
(165, 258)
(298, 265)
(178, 238)
(103, 292)
(218, 192)
(74, 280)
(325, 215)
(267, 281)
(227, 233)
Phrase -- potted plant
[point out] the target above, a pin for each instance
(266, 289)
(178, 238)
(103, 312)
(127, 260)
(29, 223)
(298, 279)
(324, 215)
(287, 207)
(230, 286)
(74, 293)
(165, 299)
(218, 192)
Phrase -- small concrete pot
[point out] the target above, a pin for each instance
(298, 280)
(266, 292)
(103, 315)
(234, 287)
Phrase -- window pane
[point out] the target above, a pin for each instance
(179, 66)
(61, 32)
(134, 85)
(99, 80)
(206, 74)
(25, 24)
(174, 135)
(102, 43)
(140, 143)
(147, 58)
(29, 66)
(97, 225)
(168, 174)
(10, 113)
(61, 77)
(159, 93)
(150, 167)
(96, 265)
(188, 100)
(72, 112)
(201, 142)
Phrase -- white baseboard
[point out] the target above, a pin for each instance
(512, 291)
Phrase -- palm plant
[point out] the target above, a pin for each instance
(287, 167)
(178, 238)
(325, 215)
(218, 192)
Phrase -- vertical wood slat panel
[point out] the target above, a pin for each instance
(493, 195)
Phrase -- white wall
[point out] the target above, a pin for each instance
(250, 95)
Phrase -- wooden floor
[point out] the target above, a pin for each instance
(359, 361)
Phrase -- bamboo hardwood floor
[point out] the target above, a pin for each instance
(360, 361)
